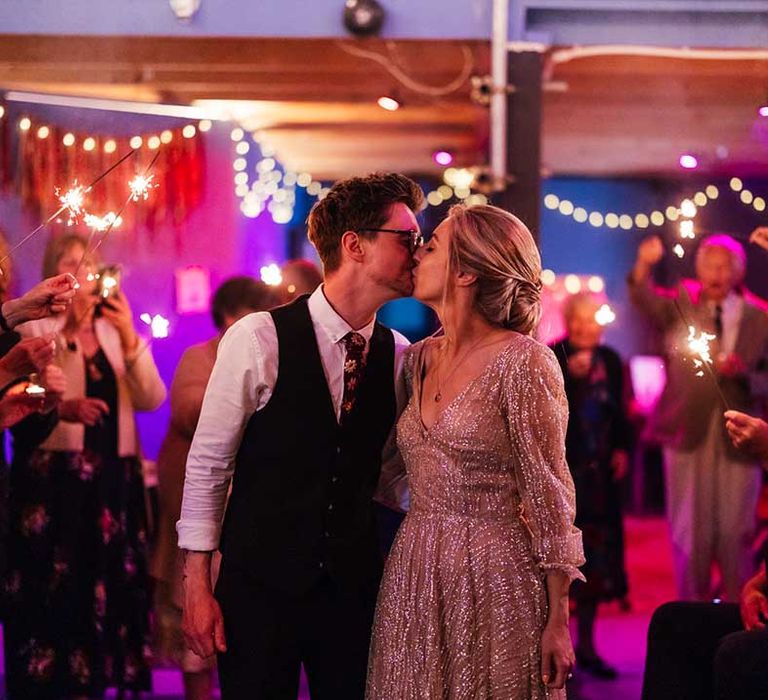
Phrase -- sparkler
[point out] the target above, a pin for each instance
(138, 186)
(102, 223)
(72, 200)
(34, 388)
(698, 345)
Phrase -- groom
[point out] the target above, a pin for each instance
(299, 408)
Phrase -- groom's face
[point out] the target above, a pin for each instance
(388, 255)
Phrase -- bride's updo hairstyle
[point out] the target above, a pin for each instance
(499, 250)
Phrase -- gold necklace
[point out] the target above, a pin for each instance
(475, 346)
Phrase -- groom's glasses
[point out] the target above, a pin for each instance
(415, 239)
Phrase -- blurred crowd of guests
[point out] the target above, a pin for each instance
(90, 590)
(77, 551)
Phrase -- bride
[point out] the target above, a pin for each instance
(474, 599)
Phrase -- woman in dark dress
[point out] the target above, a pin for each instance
(77, 586)
(597, 450)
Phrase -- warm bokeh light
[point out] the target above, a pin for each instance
(595, 284)
(271, 275)
(572, 284)
(388, 103)
(688, 161)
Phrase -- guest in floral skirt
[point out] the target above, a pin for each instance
(77, 586)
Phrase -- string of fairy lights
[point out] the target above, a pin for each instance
(89, 143)
(684, 212)
(266, 184)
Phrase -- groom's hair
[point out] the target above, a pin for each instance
(354, 204)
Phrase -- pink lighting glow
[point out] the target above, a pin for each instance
(442, 157)
(763, 111)
(688, 161)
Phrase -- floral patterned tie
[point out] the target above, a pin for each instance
(354, 364)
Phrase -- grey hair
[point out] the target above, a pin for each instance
(574, 301)
(731, 246)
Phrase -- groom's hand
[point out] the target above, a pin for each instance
(202, 621)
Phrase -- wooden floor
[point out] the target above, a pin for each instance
(621, 636)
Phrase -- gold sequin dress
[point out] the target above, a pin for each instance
(463, 600)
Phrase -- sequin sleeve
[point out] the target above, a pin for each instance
(537, 413)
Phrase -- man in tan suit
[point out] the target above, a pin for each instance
(711, 489)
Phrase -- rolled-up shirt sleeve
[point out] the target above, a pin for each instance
(233, 394)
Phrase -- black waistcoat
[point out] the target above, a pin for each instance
(301, 503)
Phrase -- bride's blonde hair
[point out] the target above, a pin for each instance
(499, 250)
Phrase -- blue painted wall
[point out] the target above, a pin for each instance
(730, 23)
(282, 18)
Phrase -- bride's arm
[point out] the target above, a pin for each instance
(537, 416)
(557, 657)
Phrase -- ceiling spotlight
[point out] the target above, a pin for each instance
(184, 10)
(442, 157)
(688, 161)
(363, 17)
(388, 103)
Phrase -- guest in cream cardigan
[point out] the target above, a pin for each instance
(78, 582)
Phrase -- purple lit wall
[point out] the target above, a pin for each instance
(216, 235)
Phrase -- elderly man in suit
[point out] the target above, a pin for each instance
(711, 489)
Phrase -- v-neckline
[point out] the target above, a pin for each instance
(441, 414)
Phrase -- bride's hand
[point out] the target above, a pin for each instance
(557, 658)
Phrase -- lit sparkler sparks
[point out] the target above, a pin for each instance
(679, 250)
(72, 200)
(140, 186)
(102, 223)
(34, 388)
(699, 346)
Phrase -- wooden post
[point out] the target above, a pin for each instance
(522, 195)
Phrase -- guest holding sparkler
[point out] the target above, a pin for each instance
(597, 451)
(748, 434)
(27, 406)
(235, 298)
(711, 488)
(705, 650)
(78, 586)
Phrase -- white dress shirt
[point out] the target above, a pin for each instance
(733, 307)
(242, 383)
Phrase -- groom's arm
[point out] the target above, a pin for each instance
(233, 394)
(241, 382)
(392, 490)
